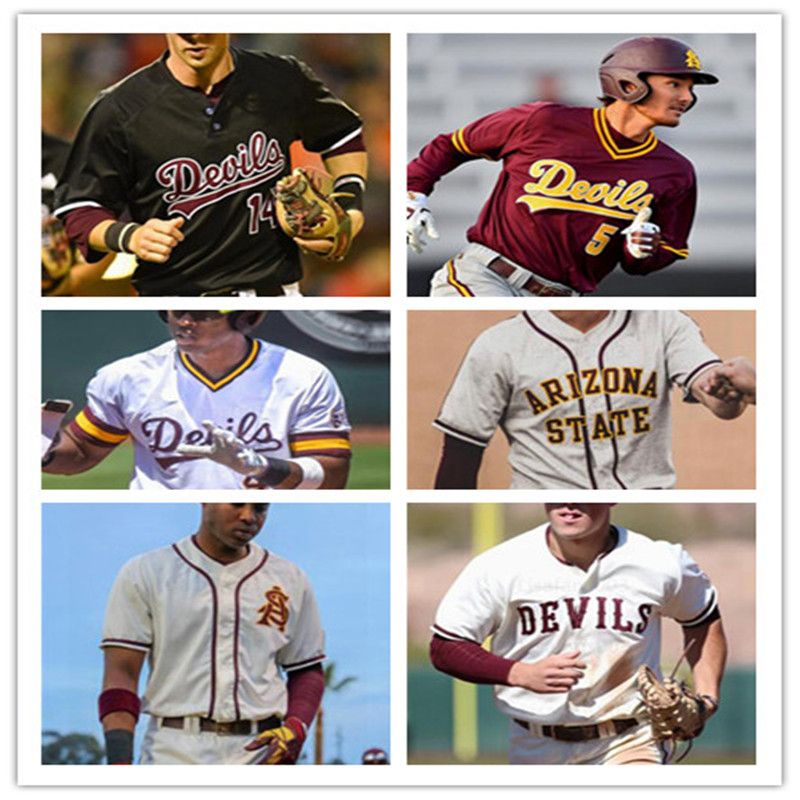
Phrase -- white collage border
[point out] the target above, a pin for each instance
(767, 770)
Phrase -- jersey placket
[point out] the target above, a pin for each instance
(227, 644)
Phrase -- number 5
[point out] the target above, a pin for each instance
(601, 238)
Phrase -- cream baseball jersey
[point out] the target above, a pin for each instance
(216, 647)
(580, 410)
(276, 401)
(534, 606)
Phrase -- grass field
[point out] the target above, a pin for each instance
(369, 470)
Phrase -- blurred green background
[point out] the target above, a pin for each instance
(442, 538)
(76, 343)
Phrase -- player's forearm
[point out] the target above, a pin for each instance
(81, 223)
(707, 656)
(468, 661)
(305, 688)
(436, 159)
(319, 472)
(349, 173)
(68, 456)
(459, 464)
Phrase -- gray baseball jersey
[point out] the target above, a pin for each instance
(580, 410)
(535, 605)
(216, 635)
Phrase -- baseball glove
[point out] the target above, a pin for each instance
(674, 711)
(306, 212)
(283, 745)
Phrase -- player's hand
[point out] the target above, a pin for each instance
(642, 238)
(281, 745)
(419, 221)
(552, 675)
(733, 381)
(224, 448)
(323, 246)
(155, 240)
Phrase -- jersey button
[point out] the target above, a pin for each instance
(210, 111)
(217, 126)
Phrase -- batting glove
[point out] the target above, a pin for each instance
(419, 221)
(640, 225)
(283, 745)
(226, 449)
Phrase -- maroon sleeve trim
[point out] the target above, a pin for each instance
(81, 434)
(703, 616)
(354, 145)
(129, 643)
(697, 370)
(303, 664)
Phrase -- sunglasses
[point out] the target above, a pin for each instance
(198, 316)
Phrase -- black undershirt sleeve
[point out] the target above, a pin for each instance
(459, 464)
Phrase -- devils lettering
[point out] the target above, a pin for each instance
(582, 613)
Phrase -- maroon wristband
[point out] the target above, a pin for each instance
(112, 700)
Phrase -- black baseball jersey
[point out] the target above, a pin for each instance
(155, 148)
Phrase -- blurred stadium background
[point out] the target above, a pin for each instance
(454, 79)
(454, 722)
(75, 67)
(354, 346)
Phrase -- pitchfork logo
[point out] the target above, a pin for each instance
(191, 186)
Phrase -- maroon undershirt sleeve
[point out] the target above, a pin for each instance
(305, 688)
(437, 158)
(459, 464)
(79, 224)
(468, 661)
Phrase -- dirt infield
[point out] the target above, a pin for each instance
(708, 453)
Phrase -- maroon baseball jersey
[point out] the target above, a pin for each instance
(155, 148)
(570, 184)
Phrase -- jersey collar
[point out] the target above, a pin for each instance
(235, 372)
(606, 135)
(611, 546)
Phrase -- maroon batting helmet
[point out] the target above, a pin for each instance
(624, 69)
(375, 755)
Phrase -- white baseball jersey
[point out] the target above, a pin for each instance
(216, 635)
(276, 401)
(535, 605)
(580, 410)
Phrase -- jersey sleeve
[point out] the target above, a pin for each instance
(128, 621)
(97, 172)
(473, 607)
(101, 422)
(489, 137)
(687, 354)
(691, 597)
(478, 397)
(320, 425)
(306, 646)
(674, 213)
(324, 121)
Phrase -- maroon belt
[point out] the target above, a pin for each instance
(241, 727)
(581, 733)
(502, 268)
